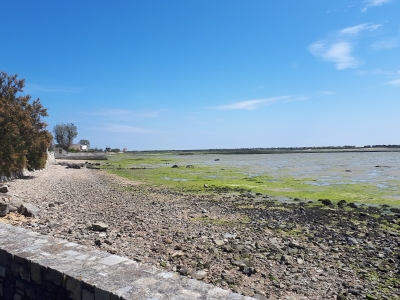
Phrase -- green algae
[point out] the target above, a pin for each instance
(156, 170)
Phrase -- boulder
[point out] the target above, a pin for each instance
(12, 208)
(4, 209)
(326, 202)
(16, 203)
(4, 188)
(99, 226)
(29, 210)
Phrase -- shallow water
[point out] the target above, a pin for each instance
(381, 169)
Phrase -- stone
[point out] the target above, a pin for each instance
(4, 209)
(248, 270)
(12, 208)
(352, 241)
(29, 210)
(183, 270)
(99, 226)
(326, 202)
(4, 188)
(219, 243)
(228, 278)
(286, 259)
(199, 275)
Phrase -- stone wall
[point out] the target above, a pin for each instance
(81, 156)
(34, 266)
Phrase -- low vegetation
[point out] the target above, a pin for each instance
(157, 170)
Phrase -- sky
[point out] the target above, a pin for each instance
(207, 74)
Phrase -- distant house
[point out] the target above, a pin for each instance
(124, 150)
(77, 147)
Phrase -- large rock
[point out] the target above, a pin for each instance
(4, 209)
(16, 203)
(29, 210)
(4, 188)
(99, 226)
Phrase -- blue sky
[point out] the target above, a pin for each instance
(200, 74)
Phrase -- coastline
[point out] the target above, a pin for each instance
(284, 251)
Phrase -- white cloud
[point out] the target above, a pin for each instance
(372, 3)
(354, 30)
(118, 128)
(339, 46)
(249, 104)
(395, 82)
(386, 44)
(340, 53)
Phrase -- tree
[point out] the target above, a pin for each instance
(85, 142)
(23, 138)
(65, 134)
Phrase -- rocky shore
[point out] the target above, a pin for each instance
(247, 243)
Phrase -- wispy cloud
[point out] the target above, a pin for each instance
(395, 82)
(339, 53)
(372, 3)
(386, 44)
(118, 128)
(125, 113)
(355, 30)
(339, 46)
(38, 88)
(249, 104)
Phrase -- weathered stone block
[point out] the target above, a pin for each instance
(25, 274)
(15, 269)
(115, 297)
(86, 295)
(54, 276)
(30, 292)
(5, 258)
(20, 285)
(36, 273)
(100, 294)
(73, 287)
(2, 271)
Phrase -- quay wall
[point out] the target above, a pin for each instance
(34, 266)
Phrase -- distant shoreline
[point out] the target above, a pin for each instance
(272, 150)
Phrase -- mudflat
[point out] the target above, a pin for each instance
(243, 242)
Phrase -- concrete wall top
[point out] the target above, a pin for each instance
(108, 276)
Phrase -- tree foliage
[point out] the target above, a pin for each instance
(23, 138)
(65, 134)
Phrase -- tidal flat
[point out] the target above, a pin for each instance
(371, 178)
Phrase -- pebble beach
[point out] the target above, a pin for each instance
(269, 251)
